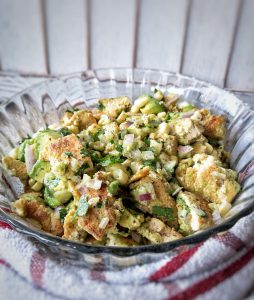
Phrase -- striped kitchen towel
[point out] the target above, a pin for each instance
(222, 267)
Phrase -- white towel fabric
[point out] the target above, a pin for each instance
(220, 268)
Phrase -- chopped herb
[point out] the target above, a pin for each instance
(68, 153)
(84, 152)
(110, 160)
(113, 187)
(186, 208)
(25, 139)
(92, 154)
(96, 135)
(101, 106)
(64, 131)
(98, 205)
(82, 208)
(82, 169)
(155, 91)
(150, 163)
(122, 134)
(165, 212)
(72, 110)
(172, 116)
(119, 148)
(146, 140)
(62, 213)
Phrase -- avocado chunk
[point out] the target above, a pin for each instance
(130, 220)
(39, 170)
(152, 107)
(22, 148)
(55, 199)
(43, 138)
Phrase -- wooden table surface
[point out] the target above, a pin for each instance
(212, 40)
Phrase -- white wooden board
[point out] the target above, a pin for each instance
(67, 35)
(112, 33)
(21, 36)
(209, 39)
(161, 34)
(241, 71)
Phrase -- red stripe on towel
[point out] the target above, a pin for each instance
(206, 284)
(230, 240)
(4, 225)
(97, 275)
(4, 263)
(37, 268)
(174, 264)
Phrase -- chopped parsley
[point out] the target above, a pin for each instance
(68, 153)
(150, 163)
(185, 207)
(98, 205)
(62, 213)
(71, 111)
(64, 131)
(82, 208)
(172, 116)
(110, 160)
(101, 106)
(25, 139)
(96, 135)
(82, 169)
(165, 212)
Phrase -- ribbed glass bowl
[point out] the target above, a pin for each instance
(44, 103)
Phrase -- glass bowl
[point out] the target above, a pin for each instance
(44, 103)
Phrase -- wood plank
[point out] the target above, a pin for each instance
(112, 33)
(209, 39)
(241, 71)
(21, 36)
(161, 34)
(67, 35)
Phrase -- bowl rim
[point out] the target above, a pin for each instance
(51, 240)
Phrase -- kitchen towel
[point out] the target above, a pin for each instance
(222, 267)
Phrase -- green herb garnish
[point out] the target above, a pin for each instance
(101, 106)
(98, 205)
(62, 213)
(172, 116)
(68, 153)
(82, 169)
(64, 131)
(110, 160)
(82, 208)
(165, 212)
(150, 163)
(24, 139)
(96, 135)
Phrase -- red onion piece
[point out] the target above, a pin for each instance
(30, 158)
(128, 123)
(145, 197)
(129, 138)
(187, 114)
(184, 149)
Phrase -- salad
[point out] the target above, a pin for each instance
(126, 174)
